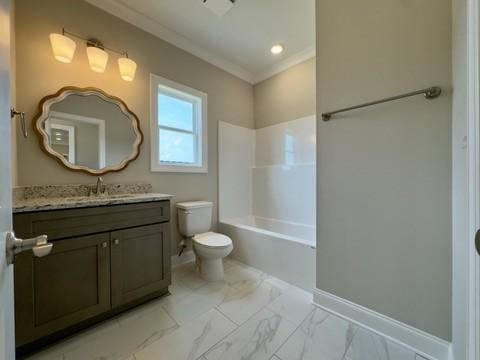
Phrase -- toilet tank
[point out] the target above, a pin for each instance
(194, 217)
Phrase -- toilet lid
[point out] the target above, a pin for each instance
(212, 239)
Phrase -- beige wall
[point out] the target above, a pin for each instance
(39, 74)
(384, 173)
(286, 96)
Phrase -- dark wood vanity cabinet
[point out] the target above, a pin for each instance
(104, 260)
(68, 286)
(135, 270)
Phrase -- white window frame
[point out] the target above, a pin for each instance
(171, 88)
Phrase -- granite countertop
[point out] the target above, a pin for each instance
(56, 197)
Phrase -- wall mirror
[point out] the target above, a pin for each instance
(87, 130)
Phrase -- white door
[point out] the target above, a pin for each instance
(7, 343)
(477, 306)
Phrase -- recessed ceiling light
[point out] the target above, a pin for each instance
(277, 49)
(58, 138)
(58, 134)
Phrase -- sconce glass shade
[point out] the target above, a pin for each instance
(97, 58)
(63, 47)
(127, 68)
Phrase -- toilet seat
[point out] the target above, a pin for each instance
(212, 240)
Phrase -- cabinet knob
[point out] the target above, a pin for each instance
(116, 242)
(104, 244)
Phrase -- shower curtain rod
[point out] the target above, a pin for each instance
(429, 93)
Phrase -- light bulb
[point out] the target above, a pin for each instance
(97, 58)
(127, 68)
(63, 47)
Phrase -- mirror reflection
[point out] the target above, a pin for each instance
(90, 131)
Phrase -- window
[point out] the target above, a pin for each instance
(178, 126)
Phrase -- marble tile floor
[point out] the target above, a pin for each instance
(248, 316)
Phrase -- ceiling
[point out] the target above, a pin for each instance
(239, 42)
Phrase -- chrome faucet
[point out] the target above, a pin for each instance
(100, 189)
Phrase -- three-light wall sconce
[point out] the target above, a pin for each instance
(64, 49)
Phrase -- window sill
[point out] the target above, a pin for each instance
(179, 169)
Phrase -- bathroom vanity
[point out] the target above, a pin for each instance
(108, 244)
(109, 253)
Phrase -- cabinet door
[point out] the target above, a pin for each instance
(140, 262)
(68, 286)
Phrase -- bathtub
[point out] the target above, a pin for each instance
(283, 249)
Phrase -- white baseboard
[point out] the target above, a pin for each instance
(185, 258)
(422, 343)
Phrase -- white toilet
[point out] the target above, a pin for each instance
(194, 221)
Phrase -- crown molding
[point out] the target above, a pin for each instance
(293, 60)
(150, 25)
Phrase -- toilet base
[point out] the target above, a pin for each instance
(211, 269)
(210, 260)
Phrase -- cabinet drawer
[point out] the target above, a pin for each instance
(60, 224)
(68, 286)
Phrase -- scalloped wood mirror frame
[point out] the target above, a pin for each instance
(44, 110)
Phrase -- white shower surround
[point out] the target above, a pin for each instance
(267, 197)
